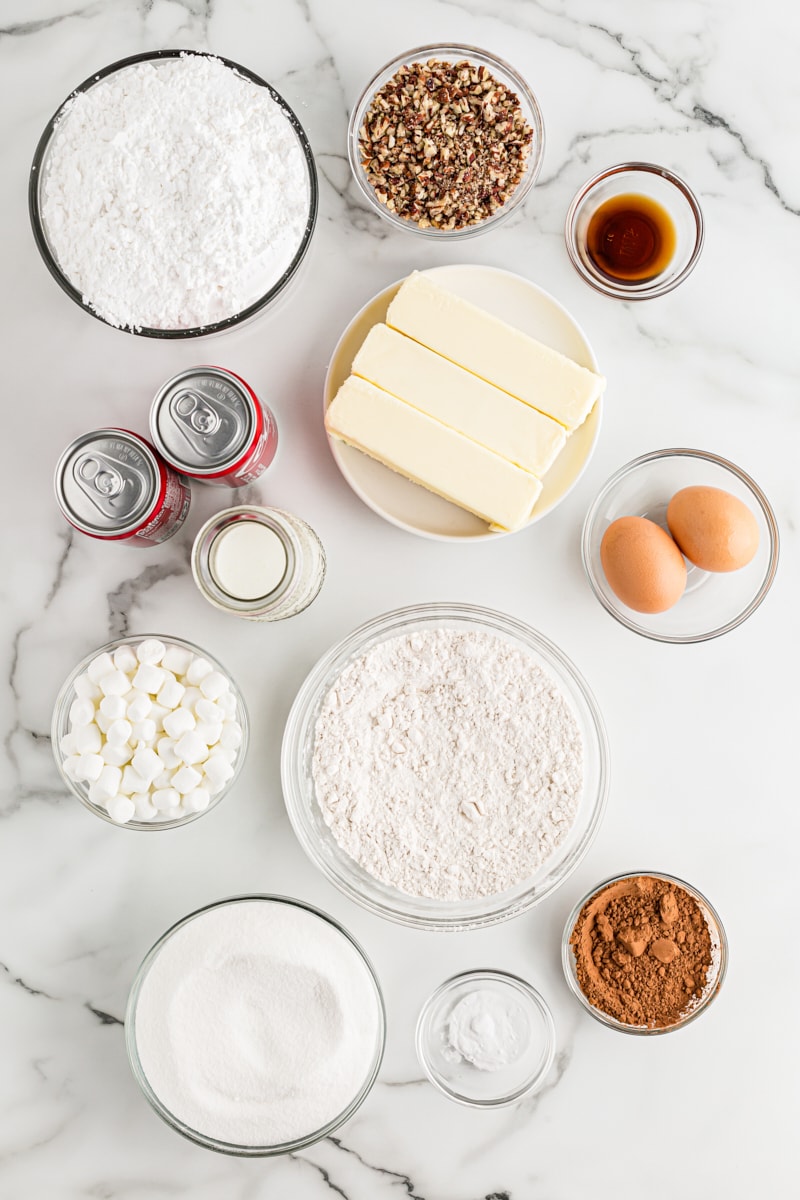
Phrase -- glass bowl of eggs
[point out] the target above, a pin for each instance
(680, 546)
(149, 732)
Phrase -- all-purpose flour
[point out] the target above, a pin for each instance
(175, 194)
(448, 764)
(257, 1023)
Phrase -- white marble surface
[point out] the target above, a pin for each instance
(703, 738)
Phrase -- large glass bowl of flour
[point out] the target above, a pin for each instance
(404, 876)
(173, 195)
(256, 1026)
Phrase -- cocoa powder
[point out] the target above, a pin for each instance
(643, 951)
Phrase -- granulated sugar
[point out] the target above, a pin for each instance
(448, 764)
(175, 193)
(257, 1023)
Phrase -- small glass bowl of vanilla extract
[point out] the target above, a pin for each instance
(634, 231)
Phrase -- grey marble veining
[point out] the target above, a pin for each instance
(702, 738)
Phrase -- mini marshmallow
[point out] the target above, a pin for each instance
(186, 779)
(116, 755)
(113, 707)
(125, 659)
(197, 800)
(88, 739)
(165, 798)
(70, 765)
(150, 651)
(147, 764)
(148, 678)
(191, 697)
(119, 733)
(178, 722)
(102, 721)
(217, 771)
(227, 703)
(143, 731)
(139, 705)
(231, 736)
(170, 693)
(213, 786)
(132, 782)
(157, 714)
(198, 668)
(209, 733)
(86, 689)
(67, 744)
(177, 660)
(213, 685)
(164, 780)
(144, 807)
(207, 710)
(223, 752)
(90, 767)
(190, 748)
(173, 814)
(106, 785)
(81, 712)
(100, 666)
(115, 683)
(120, 809)
(165, 749)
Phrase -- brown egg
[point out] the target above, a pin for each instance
(643, 566)
(715, 530)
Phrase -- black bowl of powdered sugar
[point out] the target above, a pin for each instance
(173, 194)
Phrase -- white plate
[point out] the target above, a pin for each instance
(523, 305)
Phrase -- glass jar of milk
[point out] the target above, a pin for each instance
(262, 564)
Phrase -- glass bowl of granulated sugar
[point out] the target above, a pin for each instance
(445, 766)
(256, 1026)
(173, 195)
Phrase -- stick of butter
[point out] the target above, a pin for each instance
(459, 399)
(428, 453)
(495, 351)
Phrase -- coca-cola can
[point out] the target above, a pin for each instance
(111, 484)
(210, 425)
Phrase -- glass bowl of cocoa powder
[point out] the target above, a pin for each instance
(446, 141)
(644, 953)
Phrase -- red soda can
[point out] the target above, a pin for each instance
(209, 424)
(111, 484)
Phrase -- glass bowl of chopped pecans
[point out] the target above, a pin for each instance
(446, 141)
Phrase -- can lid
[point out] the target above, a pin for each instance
(106, 482)
(202, 420)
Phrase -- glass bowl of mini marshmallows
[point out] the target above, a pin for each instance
(149, 732)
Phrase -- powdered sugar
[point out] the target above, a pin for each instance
(448, 764)
(175, 193)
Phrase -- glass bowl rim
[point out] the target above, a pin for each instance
(61, 712)
(233, 1148)
(66, 285)
(767, 512)
(567, 957)
(608, 287)
(527, 99)
(533, 995)
(394, 622)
